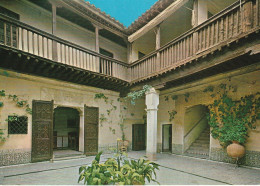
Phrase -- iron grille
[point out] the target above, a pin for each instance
(17, 124)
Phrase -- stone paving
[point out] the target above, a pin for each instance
(174, 170)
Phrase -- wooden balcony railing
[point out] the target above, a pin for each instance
(26, 38)
(227, 26)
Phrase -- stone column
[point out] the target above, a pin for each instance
(152, 102)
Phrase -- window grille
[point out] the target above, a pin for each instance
(17, 124)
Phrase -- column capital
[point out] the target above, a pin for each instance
(152, 99)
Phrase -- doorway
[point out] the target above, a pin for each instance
(66, 129)
(167, 138)
(139, 137)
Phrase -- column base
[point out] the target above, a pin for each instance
(151, 156)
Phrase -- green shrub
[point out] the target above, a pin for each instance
(118, 170)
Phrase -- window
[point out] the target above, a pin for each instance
(17, 124)
(10, 38)
(9, 13)
(105, 52)
(140, 55)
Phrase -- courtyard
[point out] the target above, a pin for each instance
(174, 170)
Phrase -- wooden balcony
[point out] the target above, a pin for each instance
(228, 26)
(42, 46)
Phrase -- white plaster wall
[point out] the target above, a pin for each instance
(247, 82)
(64, 94)
(40, 18)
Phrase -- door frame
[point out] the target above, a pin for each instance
(170, 142)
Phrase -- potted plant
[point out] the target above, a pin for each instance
(231, 120)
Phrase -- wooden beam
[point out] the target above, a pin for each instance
(157, 20)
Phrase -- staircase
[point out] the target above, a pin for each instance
(200, 147)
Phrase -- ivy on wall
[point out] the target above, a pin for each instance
(231, 119)
(19, 103)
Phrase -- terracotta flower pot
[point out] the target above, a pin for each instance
(235, 150)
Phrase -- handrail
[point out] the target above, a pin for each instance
(194, 126)
(191, 31)
(227, 26)
(58, 39)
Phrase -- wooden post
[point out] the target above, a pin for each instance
(194, 20)
(247, 13)
(129, 52)
(158, 45)
(98, 61)
(97, 39)
(54, 43)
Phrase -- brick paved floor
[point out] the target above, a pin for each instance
(174, 170)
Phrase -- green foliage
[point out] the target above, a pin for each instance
(133, 96)
(118, 170)
(102, 119)
(230, 120)
(187, 95)
(101, 96)
(174, 97)
(2, 137)
(166, 98)
(209, 89)
(19, 103)
(2, 93)
(172, 114)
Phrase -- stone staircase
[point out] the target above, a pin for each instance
(200, 147)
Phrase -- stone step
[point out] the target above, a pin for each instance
(68, 157)
(204, 138)
(203, 141)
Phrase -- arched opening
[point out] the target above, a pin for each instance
(65, 131)
(196, 131)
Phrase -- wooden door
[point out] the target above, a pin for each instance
(42, 130)
(167, 138)
(139, 136)
(91, 130)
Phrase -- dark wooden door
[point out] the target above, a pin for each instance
(42, 130)
(139, 136)
(90, 130)
(167, 128)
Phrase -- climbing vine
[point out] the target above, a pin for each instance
(230, 119)
(133, 96)
(19, 103)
